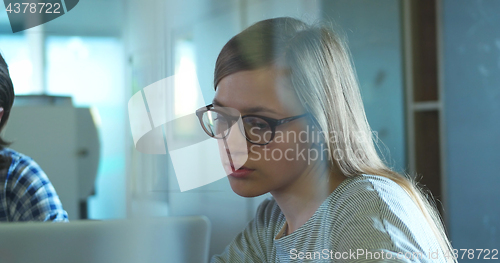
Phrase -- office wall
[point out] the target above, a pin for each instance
(373, 32)
(471, 79)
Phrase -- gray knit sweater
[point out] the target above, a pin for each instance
(367, 218)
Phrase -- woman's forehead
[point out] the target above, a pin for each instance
(263, 88)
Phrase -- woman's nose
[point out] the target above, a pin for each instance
(235, 145)
(236, 139)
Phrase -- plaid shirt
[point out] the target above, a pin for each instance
(26, 193)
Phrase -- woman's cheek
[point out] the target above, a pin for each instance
(254, 153)
(288, 157)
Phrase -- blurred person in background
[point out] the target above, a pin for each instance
(26, 193)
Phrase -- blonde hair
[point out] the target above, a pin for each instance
(320, 71)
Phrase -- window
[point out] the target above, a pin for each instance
(90, 70)
(16, 52)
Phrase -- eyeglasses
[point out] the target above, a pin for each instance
(260, 130)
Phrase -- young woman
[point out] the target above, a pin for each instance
(309, 145)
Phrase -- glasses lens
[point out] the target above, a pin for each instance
(215, 124)
(257, 130)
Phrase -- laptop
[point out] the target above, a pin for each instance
(153, 240)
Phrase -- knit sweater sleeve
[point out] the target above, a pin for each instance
(254, 242)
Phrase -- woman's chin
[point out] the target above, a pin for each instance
(246, 189)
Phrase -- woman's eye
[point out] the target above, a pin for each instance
(258, 125)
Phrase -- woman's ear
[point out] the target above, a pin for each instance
(1, 113)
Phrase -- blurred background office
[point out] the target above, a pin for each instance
(429, 72)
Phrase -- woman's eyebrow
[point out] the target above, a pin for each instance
(259, 109)
(248, 110)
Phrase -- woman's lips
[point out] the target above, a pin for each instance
(242, 172)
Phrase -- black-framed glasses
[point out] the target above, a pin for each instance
(260, 130)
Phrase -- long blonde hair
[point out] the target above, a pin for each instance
(320, 71)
